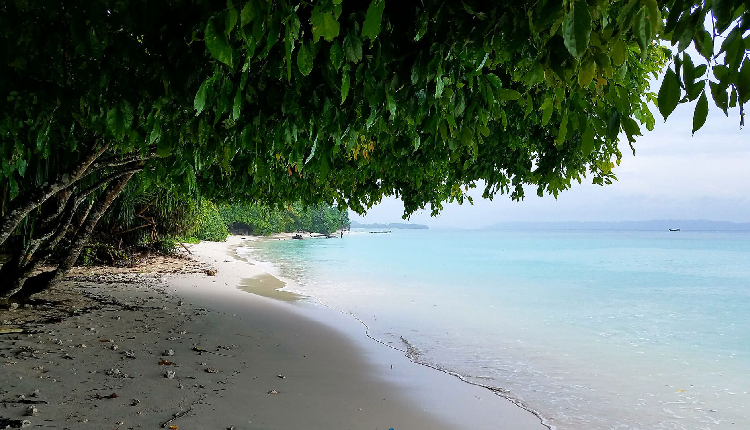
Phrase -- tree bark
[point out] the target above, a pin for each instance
(33, 199)
(23, 286)
(84, 233)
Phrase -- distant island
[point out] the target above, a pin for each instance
(651, 225)
(401, 225)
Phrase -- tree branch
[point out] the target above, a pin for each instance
(36, 197)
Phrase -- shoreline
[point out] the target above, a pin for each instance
(239, 360)
(412, 354)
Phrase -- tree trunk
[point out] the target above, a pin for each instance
(33, 199)
(22, 286)
(84, 233)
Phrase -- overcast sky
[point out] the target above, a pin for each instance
(672, 176)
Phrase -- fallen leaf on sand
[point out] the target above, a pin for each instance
(164, 362)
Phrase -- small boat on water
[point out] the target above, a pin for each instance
(674, 229)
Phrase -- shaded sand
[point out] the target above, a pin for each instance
(124, 349)
(267, 285)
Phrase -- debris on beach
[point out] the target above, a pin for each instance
(273, 392)
(31, 411)
(280, 376)
(117, 373)
(164, 362)
(166, 424)
(212, 370)
(170, 374)
(7, 423)
(168, 353)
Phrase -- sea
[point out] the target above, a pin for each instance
(589, 329)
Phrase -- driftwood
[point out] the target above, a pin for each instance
(176, 416)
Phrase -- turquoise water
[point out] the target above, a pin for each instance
(591, 329)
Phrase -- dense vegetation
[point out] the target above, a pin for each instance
(260, 220)
(336, 102)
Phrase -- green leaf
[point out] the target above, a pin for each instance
(654, 15)
(631, 128)
(371, 26)
(324, 25)
(688, 71)
(704, 43)
(288, 47)
(619, 52)
(577, 28)
(353, 48)
(563, 131)
(390, 104)
(529, 105)
(586, 73)
(443, 129)
(344, 84)
(669, 94)
(700, 113)
(337, 55)
(642, 30)
(424, 18)
(13, 187)
(217, 43)
(248, 13)
(305, 57)
(155, 133)
(547, 108)
(237, 105)
(719, 94)
(507, 94)
(230, 21)
(494, 80)
(722, 10)
(294, 24)
(587, 140)
(731, 38)
(163, 148)
(115, 124)
(613, 126)
(743, 82)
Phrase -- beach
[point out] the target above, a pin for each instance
(187, 344)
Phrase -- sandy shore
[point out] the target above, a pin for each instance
(122, 349)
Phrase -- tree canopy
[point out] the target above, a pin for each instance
(336, 101)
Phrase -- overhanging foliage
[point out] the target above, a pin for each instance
(336, 101)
